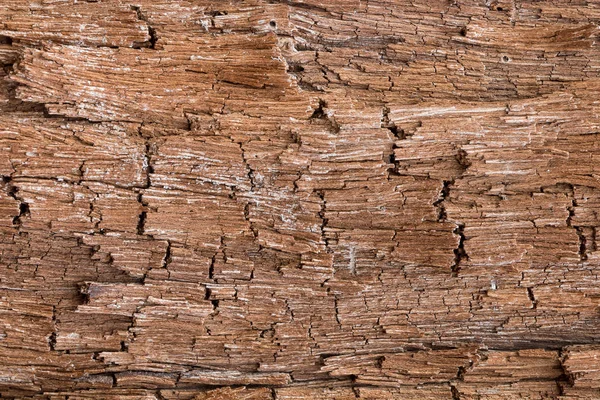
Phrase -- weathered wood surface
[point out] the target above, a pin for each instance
(299, 200)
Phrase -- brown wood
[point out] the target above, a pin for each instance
(206, 199)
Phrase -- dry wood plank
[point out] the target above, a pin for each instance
(299, 200)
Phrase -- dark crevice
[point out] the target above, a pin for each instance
(23, 211)
(532, 298)
(151, 44)
(247, 218)
(148, 168)
(439, 203)
(52, 338)
(319, 115)
(582, 243)
(211, 268)
(392, 161)
(83, 294)
(460, 254)
(565, 379)
(336, 308)
(52, 341)
(23, 205)
(251, 174)
(461, 158)
(324, 220)
(167, 258)
(295, 67)
(6, 40)
(455, 392)
(153, 37)
(571, 208)
(398, 133)
(460, 375)
(142, 218)
(583, 246)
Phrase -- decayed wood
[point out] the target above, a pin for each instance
(299, 200)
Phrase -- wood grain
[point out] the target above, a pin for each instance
(299, 200)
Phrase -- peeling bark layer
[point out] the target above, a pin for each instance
(299, 200)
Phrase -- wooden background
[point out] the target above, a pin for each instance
(277, 200)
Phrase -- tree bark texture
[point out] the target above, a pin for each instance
(277, 200)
